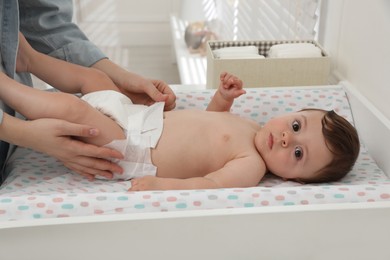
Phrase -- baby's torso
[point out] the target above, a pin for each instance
(195, 143)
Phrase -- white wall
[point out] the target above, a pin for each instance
(126, 22)
(356, 33)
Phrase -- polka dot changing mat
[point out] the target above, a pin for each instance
(38, 186)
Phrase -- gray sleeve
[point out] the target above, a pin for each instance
(48, 27)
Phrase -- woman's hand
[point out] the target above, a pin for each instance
(57, 138)
(139, 89)
(147, 92)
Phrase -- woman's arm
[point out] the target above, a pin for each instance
(62, 75)
(48, 26)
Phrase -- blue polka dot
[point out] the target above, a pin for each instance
(67, 206)
(232, 197)
(181, 205)
(23, 208)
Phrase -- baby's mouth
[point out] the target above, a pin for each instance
(270, 141)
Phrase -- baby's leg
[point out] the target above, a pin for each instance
(34, 104)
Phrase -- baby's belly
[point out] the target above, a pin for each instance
(194, 144)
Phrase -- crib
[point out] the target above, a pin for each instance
(47, 212)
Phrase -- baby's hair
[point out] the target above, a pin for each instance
(342, 141)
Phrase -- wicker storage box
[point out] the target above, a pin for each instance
(268, 72)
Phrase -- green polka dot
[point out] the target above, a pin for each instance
(23, 208)
(139, 206)
(181, 205)
(339, 196)
(249, 205)
(67, 206)
(6, 200)
(123, 198)
(36, 216)
(232, 197)
(289, 203)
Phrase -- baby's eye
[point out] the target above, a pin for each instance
(296, 125)
(298, 153)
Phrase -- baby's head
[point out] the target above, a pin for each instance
(309, 146)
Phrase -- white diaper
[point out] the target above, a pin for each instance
(142, 126)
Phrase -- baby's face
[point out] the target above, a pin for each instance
(293, 146)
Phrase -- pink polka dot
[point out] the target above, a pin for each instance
(344, 189)
(255, 195)
(119, 210)
(84, 204)
(385, 196)
(2, 211)
(265, 203)
(304, 202)
(58, 200)
(200, 98)
(361, 193)
(31, 198)
(41, 205)
(171, 199)
(247, 111)
(63, 215)
(146, 197)
(279, 197)
(197, 203)
(49, 212)
(156, 204)
(98, 211)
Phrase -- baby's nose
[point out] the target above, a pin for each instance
(285, 139)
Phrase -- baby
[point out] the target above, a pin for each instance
(193, 149)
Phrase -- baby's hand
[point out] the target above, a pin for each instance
(230, 86)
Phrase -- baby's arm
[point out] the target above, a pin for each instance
(60, 74)
(240, 172)
(229, 88)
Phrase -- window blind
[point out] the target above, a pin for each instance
(264, 19)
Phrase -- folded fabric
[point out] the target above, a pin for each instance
(294, 50)
(240, 56)
(240, 50)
